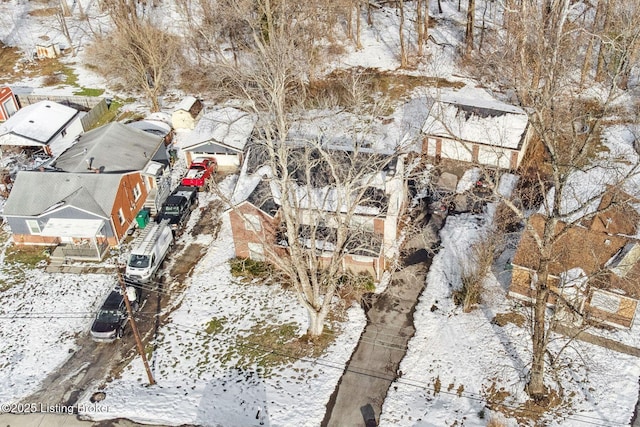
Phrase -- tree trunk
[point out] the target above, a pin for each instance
(426, 21)
(358, 26)
(65, 8)
(419, 26)
(81, 14)
(586, 65)
(316, 323)
(535, 387)
(350, 22)
(471, 11)
(403, 49)
(602, 49)
(482, 28)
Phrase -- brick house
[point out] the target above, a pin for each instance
(595, 267)
(91, 196)
(256, 219)
(489, 133)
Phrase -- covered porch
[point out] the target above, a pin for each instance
(81, 240)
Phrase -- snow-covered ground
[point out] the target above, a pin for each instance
(458, 363)
(211, 367)
(40, 319)
(218, 377)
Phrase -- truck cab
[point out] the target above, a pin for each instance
(200, 173)
(178, 206)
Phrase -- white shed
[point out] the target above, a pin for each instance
(187, 113)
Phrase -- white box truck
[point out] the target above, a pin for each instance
(148, 252)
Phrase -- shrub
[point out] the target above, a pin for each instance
(469, 294)
(246, 267)
(474, 271)
(352, 286)
(437, 385)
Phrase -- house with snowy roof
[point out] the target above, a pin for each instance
(595, 266)
(45, 125)
(89, 197)
(483, 132)
(257, 219)
(221, 134)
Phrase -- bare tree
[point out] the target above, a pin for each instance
(540, 69)
(144, 55)
(321, 185)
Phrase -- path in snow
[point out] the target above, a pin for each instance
(374, 364)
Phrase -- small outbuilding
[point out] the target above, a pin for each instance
(187, 113)
(221, 134)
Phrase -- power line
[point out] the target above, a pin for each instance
(401, 380)
(318, 361)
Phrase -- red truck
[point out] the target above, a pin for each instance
(200, 174)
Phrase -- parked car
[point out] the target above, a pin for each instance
(112, 317)
(178, 206)
(200, 173)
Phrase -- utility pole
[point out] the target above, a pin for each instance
(134, 327)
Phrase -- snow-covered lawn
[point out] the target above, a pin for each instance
(40, 318)
(212, 365)
(460, 365)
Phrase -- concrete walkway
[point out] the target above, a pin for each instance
(363, 387)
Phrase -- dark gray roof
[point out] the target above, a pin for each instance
(262, 198)
(34, 193)
(211, 147)
(112, 148)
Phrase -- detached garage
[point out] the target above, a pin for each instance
(221, 134)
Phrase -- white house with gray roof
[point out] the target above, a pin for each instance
(47, 125)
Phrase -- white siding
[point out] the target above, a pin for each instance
(456, 150)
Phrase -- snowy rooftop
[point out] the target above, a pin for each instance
(488, 122)
(38, 122)
(227, 126)
(93, 193)
(186, 103)
(337, 129)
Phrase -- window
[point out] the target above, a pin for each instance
(33, 225)
(605, 302)
(256, 251)
(252, 222)
(120, 216)
(136, 192)
(9, 107)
